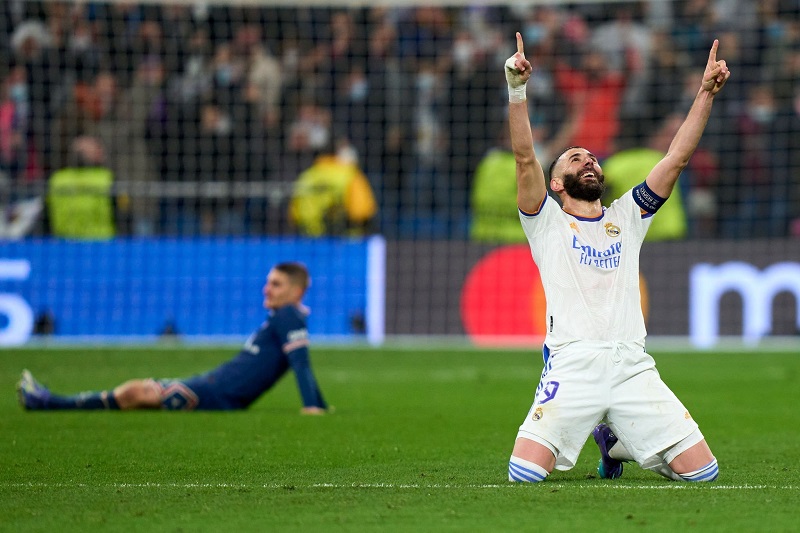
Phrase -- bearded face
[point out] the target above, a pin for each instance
(584, 189)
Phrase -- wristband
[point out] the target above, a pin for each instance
(518, 94)
(517, 91)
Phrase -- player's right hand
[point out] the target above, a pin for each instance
(716, 73)
(518, 69)
(315, 411)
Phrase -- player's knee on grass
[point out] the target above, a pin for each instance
(522, 471)
(692, 460)
(531, 461)
(138, 394)
(688, 460)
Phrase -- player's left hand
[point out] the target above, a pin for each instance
(716, 73)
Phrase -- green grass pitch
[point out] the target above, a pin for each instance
(419, 442)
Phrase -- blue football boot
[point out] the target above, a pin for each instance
(32, 395)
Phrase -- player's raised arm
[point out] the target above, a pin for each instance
(662, 178)
(531, 187)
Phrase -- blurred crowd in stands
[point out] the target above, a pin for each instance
(413, 97)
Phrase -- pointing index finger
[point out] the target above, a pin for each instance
(712, 55)
(520, 47)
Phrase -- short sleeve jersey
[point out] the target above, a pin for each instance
(590, 271)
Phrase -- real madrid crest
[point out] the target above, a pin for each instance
(537, 414)
(612, 230)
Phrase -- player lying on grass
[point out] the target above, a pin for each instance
(280, 343)
(596, 368)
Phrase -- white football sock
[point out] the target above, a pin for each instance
(619, 452)
(664, 470)
(710, 472)
(524, 471)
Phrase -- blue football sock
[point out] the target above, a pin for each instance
(84, 400)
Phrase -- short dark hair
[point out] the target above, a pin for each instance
(297, 272)
(553, 164)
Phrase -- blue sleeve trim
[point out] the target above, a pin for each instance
(538, 210)
(646, 198)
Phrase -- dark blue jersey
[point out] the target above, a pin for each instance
(279, 344)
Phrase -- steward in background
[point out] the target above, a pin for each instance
(79, 198)
(333, 196)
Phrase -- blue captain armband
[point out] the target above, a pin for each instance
(646, 198)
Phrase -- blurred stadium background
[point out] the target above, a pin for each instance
(150, 153)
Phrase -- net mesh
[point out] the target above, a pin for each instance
(190, 106)
(204, 119)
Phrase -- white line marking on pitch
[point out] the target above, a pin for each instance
(392, 486)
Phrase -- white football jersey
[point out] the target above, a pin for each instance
(590, 271)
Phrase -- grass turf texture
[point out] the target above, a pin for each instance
(419, 442)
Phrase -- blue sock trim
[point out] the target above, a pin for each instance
(710, 472)
(520, 473)
(513, 476)
(528, 475)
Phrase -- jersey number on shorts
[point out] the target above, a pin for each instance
(547, 392)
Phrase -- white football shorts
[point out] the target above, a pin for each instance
(587, 382)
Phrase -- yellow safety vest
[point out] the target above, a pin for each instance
(80, 204)
(494, 200)
(332, 197)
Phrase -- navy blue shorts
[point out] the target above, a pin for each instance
(192, 394)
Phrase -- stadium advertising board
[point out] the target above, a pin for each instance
(702, 290)
(201, 288)
(757, 289)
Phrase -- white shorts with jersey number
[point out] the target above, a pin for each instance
(586, 382)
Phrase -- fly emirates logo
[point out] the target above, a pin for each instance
(589, 255)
